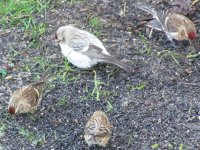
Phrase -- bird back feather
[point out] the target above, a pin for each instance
(97, 53)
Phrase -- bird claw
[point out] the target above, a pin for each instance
(150, 33)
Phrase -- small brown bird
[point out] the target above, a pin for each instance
(98, 129)
(175, 26)
(27, 98)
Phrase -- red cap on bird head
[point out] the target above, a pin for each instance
(11, 110)
(192, 35)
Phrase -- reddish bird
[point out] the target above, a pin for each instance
(175, 26)
(27, 98)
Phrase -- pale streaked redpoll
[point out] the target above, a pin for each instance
(98, 129)
(27, 98)
(84, 50)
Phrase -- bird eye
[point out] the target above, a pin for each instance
(56, 36)
(103, 129)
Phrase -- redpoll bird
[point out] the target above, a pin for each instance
(175, 26)
(83, 49)
(27, 98)
(98, 129)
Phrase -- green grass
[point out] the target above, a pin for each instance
(147, 46)
(2, 129)
(16, 11)
(97, 33)
(75, 1)
(62, 101)
(31, 136)
(167, 53)
(67, 67)
(14, 53)
(65, 70)
(95, 22)
(39, 62)
(192, 56)
(182, 147)
(109, 107)
(3, 72)
(140, 86)
(155, 146)
(31, 116)
(22, 13)
(131, 137)
(170, 146)
(106, 93)
(33, 30)
(96, 90)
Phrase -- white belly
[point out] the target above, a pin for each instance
(77, 59)
(80, 60)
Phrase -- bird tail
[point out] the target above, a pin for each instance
(160, 16)
(42, 81)
(45, 76)
(119, 63)
(147, 9)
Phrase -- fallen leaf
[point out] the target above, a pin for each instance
(3, 72)
(9, 77)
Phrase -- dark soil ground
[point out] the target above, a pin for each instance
(157, 107)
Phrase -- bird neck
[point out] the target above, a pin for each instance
(66, 50)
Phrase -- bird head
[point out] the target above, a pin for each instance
(60, 34)
(90, 140)
(191, 35)
(11, 110)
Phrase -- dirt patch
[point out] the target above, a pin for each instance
(157, 106)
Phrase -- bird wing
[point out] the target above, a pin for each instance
(42, 81)
(29, 94)
(81, 41)
(173, 21)
(78, 43)
(95, 52)
(160, 16)
(39, 85)
(145, 8)
(154, 24)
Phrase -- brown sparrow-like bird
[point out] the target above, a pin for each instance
(176, 26)
(98, 129)
(27, 98)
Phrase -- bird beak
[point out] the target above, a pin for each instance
(14, 115)
(54, 39)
